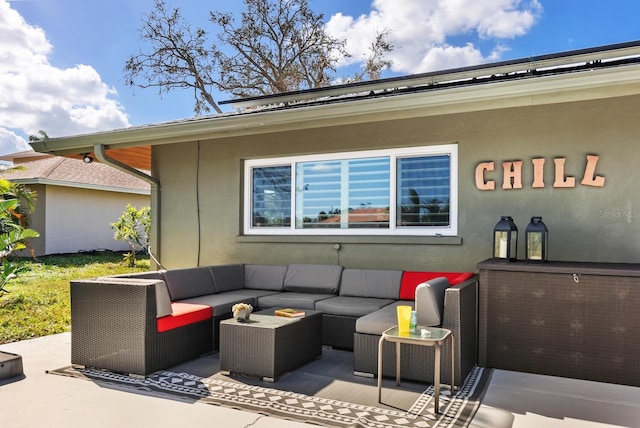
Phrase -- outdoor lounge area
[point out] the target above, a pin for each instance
(319, 386)
(142, 323)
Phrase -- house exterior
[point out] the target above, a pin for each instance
(76, 201)
(435, 159)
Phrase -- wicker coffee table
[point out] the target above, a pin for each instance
(269, 346)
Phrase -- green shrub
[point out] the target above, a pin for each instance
(133, 227)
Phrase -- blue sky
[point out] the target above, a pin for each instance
(61, 61)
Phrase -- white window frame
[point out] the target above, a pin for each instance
(393, 230)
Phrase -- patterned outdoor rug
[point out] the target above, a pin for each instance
(456, 411)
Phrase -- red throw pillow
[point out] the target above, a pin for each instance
(411, 280)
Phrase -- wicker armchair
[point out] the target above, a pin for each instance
(417, 362)
(113, 327)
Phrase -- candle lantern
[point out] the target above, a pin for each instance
(505, 239)
(536, 240)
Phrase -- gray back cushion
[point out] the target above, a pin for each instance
(430, 301)
(264, 277)
(383, 284)
(311, 278)
(227, 277)
(189, 282)
(163, 300)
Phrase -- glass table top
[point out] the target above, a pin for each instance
(420, 333)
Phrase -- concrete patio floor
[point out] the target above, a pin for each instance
(513, 399)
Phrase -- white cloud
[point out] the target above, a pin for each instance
(422, 30)
(39, 96)
(10, 142)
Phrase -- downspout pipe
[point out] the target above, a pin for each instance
(101, 155)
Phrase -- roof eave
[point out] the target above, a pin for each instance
(86, 186)
(551, 89)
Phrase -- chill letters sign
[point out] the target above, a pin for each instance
(512, 174)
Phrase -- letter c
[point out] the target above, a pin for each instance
(481, 183)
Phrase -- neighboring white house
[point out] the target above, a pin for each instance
(76, 202)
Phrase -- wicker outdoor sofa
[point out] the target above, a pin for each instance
(142, 323)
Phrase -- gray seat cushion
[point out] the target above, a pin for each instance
(188, 282)
(383, 284)
(264, 277)
(320, 279)
(352, 306)
(292, 300)
(430, 301)
(227, 277)
(380, 320)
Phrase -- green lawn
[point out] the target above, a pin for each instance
(38, 300)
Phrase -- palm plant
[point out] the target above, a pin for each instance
(14, 231)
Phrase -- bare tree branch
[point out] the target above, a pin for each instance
(178, 58)
(277, 46)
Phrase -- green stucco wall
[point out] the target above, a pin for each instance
(585, 223)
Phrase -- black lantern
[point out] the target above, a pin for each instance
(505, 239)
(536, 240)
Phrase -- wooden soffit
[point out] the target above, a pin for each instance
(135, 157)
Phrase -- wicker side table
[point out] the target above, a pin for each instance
(269, 346)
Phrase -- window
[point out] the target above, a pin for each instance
(424, 189)
(382, 192)
(343, 194)
(271, 196)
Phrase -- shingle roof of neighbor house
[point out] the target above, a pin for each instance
(61, 171)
